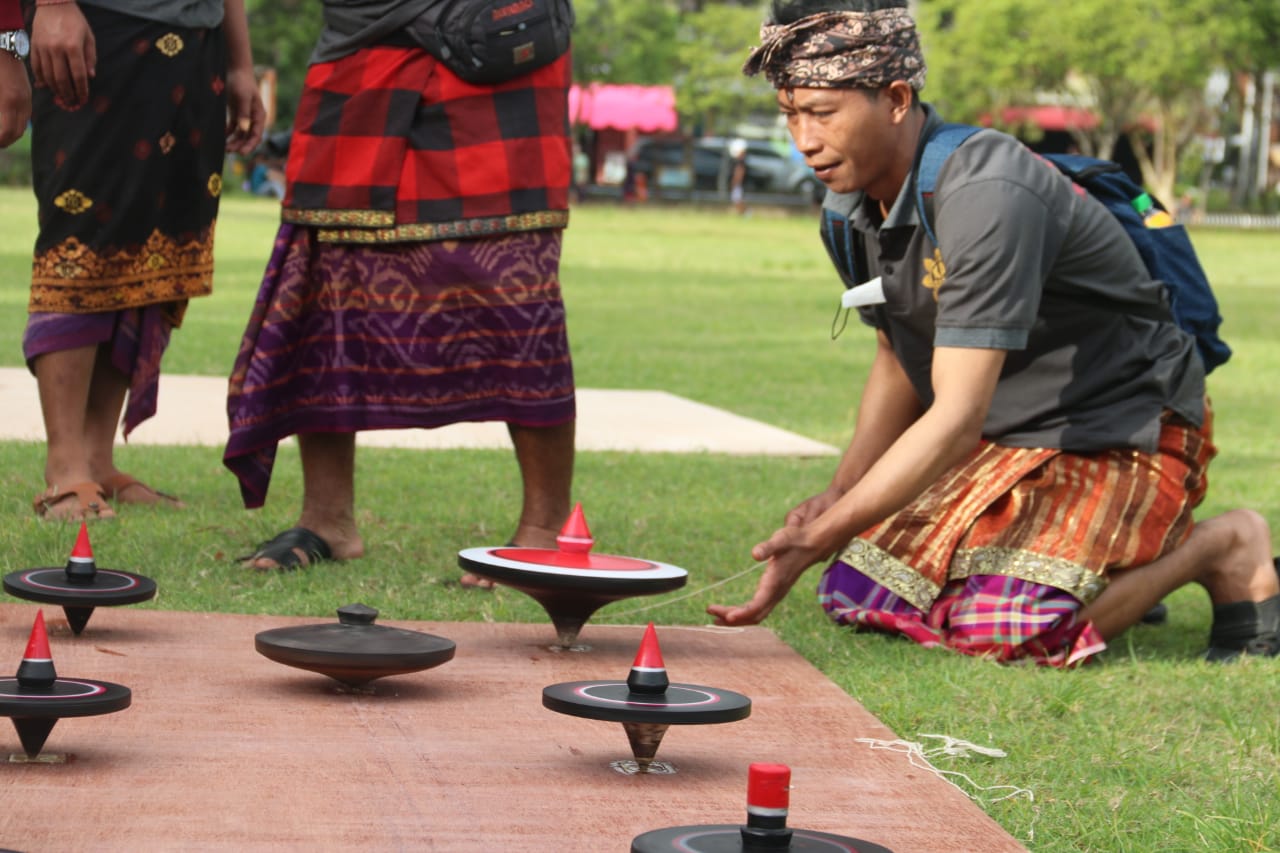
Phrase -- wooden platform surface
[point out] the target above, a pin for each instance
(224, 749)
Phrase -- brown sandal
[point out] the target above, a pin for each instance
(92, 502)
(116, 484)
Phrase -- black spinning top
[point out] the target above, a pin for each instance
(646, 704)
(353, 650)
(765, 831)
(81, 585)
(36, 698)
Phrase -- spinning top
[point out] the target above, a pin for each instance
(570, 582)
(646, 704)
(353, 650)
(81, 585)
(36, 698)
(765, 831)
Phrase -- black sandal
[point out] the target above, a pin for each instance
(283, 549)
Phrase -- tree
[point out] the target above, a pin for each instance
(283, 32)
(712, 46)
(625, 41)
(1140, 67)
(1252, 41)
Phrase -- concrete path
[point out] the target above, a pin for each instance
(192, 411)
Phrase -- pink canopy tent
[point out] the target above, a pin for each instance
(608, 106)
(1051, 117)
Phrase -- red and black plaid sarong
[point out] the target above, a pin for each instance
(391, 146)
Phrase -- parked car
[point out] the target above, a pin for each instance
(665, 164)
(773, 170)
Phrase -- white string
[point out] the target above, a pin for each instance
(951, 747)
(689, 594)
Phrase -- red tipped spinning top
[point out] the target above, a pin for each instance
(80, 566)
(36, 669)
(648, 673)
(768, 789)
(767, 799)
(575, 536)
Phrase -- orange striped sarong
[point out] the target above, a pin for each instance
(1062, 520)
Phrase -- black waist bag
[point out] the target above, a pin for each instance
(491, 41)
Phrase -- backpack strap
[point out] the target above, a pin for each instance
(935, 151)
(844, 244)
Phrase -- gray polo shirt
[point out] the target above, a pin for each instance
(180, 13)
(1024, 257)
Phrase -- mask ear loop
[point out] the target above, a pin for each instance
(842, 317)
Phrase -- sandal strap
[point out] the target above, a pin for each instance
(283, 548)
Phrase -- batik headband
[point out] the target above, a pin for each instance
(840, 50)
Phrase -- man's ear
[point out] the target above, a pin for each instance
(901, 96)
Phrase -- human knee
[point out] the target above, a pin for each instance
(1247, 527)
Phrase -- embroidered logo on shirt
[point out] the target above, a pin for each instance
(935, 271)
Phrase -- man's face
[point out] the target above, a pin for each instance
(847, 136)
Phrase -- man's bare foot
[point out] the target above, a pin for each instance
(527, 536)
(127, 489)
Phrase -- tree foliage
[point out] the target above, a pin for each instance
(1140, 67)
(283, 32)
(713, 45)
(625, 41)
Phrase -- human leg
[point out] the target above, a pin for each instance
(545, 456)
(1230, 555)
(328, 502)
(63, 380)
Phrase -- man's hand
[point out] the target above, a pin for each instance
(789, 553)
(246, 117)
(64, 54)
(15, 99)
(808, 510)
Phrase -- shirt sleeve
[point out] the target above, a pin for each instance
(10, 15)
(998, 238)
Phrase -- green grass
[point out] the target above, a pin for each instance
(1147, 750)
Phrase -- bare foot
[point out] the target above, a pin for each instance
(526, 536)
(126, 489)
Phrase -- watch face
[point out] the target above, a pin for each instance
(16, 42)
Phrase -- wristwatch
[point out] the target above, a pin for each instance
(16, 43)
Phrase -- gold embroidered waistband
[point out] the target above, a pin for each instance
(1069, 577)
(891, 573)
(418, 232)
(908, 584)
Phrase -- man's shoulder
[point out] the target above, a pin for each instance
(993, 153)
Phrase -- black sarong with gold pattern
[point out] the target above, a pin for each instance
(128, 184)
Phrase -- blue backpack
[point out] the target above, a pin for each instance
(1167, 252)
